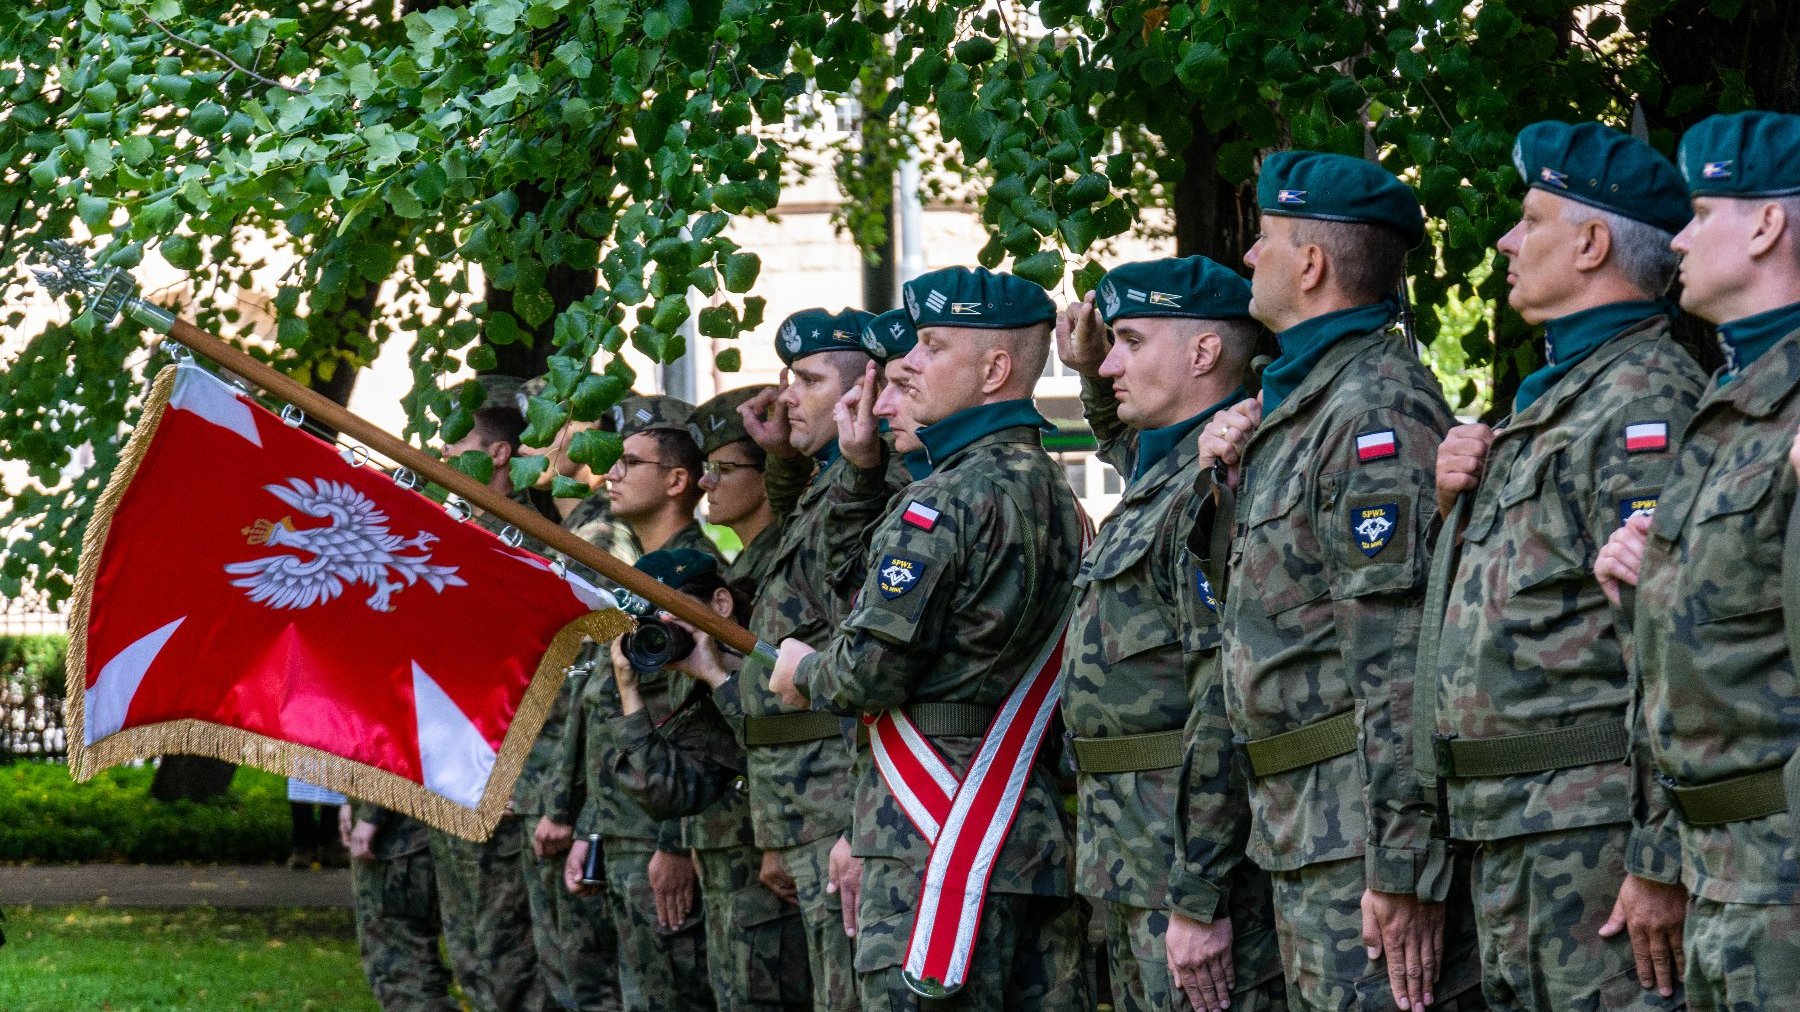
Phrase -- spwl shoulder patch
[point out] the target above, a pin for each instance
(1207, 597)
(1634, 505)
(898, 575)
(1373, 526)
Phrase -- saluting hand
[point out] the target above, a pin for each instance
(1081, 339)
(766, 420)
(1461, 458)
(1223, 437)
(1200, 964)
(1623, 554)
(859, 435)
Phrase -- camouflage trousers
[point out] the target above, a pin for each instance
(830, 954)
(487, 919)
(397, 926)
(1318, 919)
(1030, 955)
(1539, 903)
(755, 942)
(578, 951)
(659, 971)
(1140, 965)
(1742, 957)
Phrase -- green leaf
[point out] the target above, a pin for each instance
(207, 119)
(569, 488)
(526, 469)
(729, 360)
(1045, 268)
(974, 52)
(544, 418)
(739, 271)
(476, 464)
(481, 358)
(594, 394)
(182, 253)
(598, 450)
(94, 211)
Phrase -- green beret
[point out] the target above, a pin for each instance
(675, 567)
(1193, 288)
(716, 423)
(978, 299)
(1312, 184)
(643, 414)
(811, 331)
(499, 391)
(1601, 167)
(1746, 154)
(889, 336)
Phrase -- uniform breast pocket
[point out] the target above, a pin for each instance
(1279, 560)
(1548, 543)
(1134, 618)
(1734, 553)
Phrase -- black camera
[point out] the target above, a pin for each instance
(654, 644)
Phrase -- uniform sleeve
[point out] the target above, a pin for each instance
(564, 806)
(541, 786)
(784, 482)
(1377, 520)
(1212, 808)
(1118, 441)
(884, 647)
(678, 769)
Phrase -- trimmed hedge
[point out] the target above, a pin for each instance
(46, 816)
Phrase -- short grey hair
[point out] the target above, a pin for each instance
(1640, 252)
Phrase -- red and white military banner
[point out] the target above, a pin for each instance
(966, 820)
(248, 593)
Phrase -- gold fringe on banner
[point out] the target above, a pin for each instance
(283, 758)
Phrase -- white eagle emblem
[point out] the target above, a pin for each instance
(790, 337)
(898, 575)
(1109, 298)
(355, 548)
(1374, 528)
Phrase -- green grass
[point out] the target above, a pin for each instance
(61, 958)
(46, 816)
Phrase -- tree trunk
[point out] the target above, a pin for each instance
(1214, 217)
(567, 286)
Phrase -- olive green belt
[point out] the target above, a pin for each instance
(1510, 755)
(1737, 799)
(1128, 753)
(791, 728)
(1306, 745)
(943, 720)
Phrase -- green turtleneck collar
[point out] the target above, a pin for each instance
(1155, 444)
(1745, 340)
(1568, 340)
(1303, 344)
(917, 463)
(944, 438)
(826, 456)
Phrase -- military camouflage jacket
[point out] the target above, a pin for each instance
(991, 581)
(396, 835)
(1327, 569)
(1720, 689)
(1528, 641)
(797, 791)
(689, 764)
(543, 787)
(1142, 643)
(602, 806)
(592, 521)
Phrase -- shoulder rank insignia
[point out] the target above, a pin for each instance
(1646, 437)
(920, 515)
(898, 574)
(1628, 508)
(1377, 445)
(1207, 597)
(1373, 526)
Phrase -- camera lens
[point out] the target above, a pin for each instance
(654, 645)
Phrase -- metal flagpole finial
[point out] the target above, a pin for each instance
(107, 291)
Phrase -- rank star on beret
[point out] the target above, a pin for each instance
(1745, 154)
(1601, 167)
(978, 299)
(889, 336)
(674, 567)
(642, 414)
(1313, 184)
(1194, 288)
(716, 422)
(811, 331)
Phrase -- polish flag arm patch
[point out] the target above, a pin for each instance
(1646, 437)
(1377, 445)
(920, 515)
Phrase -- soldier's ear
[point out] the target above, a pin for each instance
(1205, 354)
(721, 602)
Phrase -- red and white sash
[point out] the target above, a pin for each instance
(966, 820)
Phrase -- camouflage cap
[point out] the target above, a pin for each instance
(530, 388)
(811, 331)
(1596, 165)
(889, 336)
(1314, 184)
(1753, 153)
(1194, 288)
(977, 299)
(499, 392)
(716, 422)
(675, 567)
(637, 414)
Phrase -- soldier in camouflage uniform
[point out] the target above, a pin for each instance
(1531, 685)
(588, 516)
(397, 921)
(654, 488)
(1712, 622)
(799, 763)
(993, 547)
(888, 338)
(1143, 646)
(1334, 519)
(755, 938)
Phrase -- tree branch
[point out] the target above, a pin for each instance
(240, 68)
